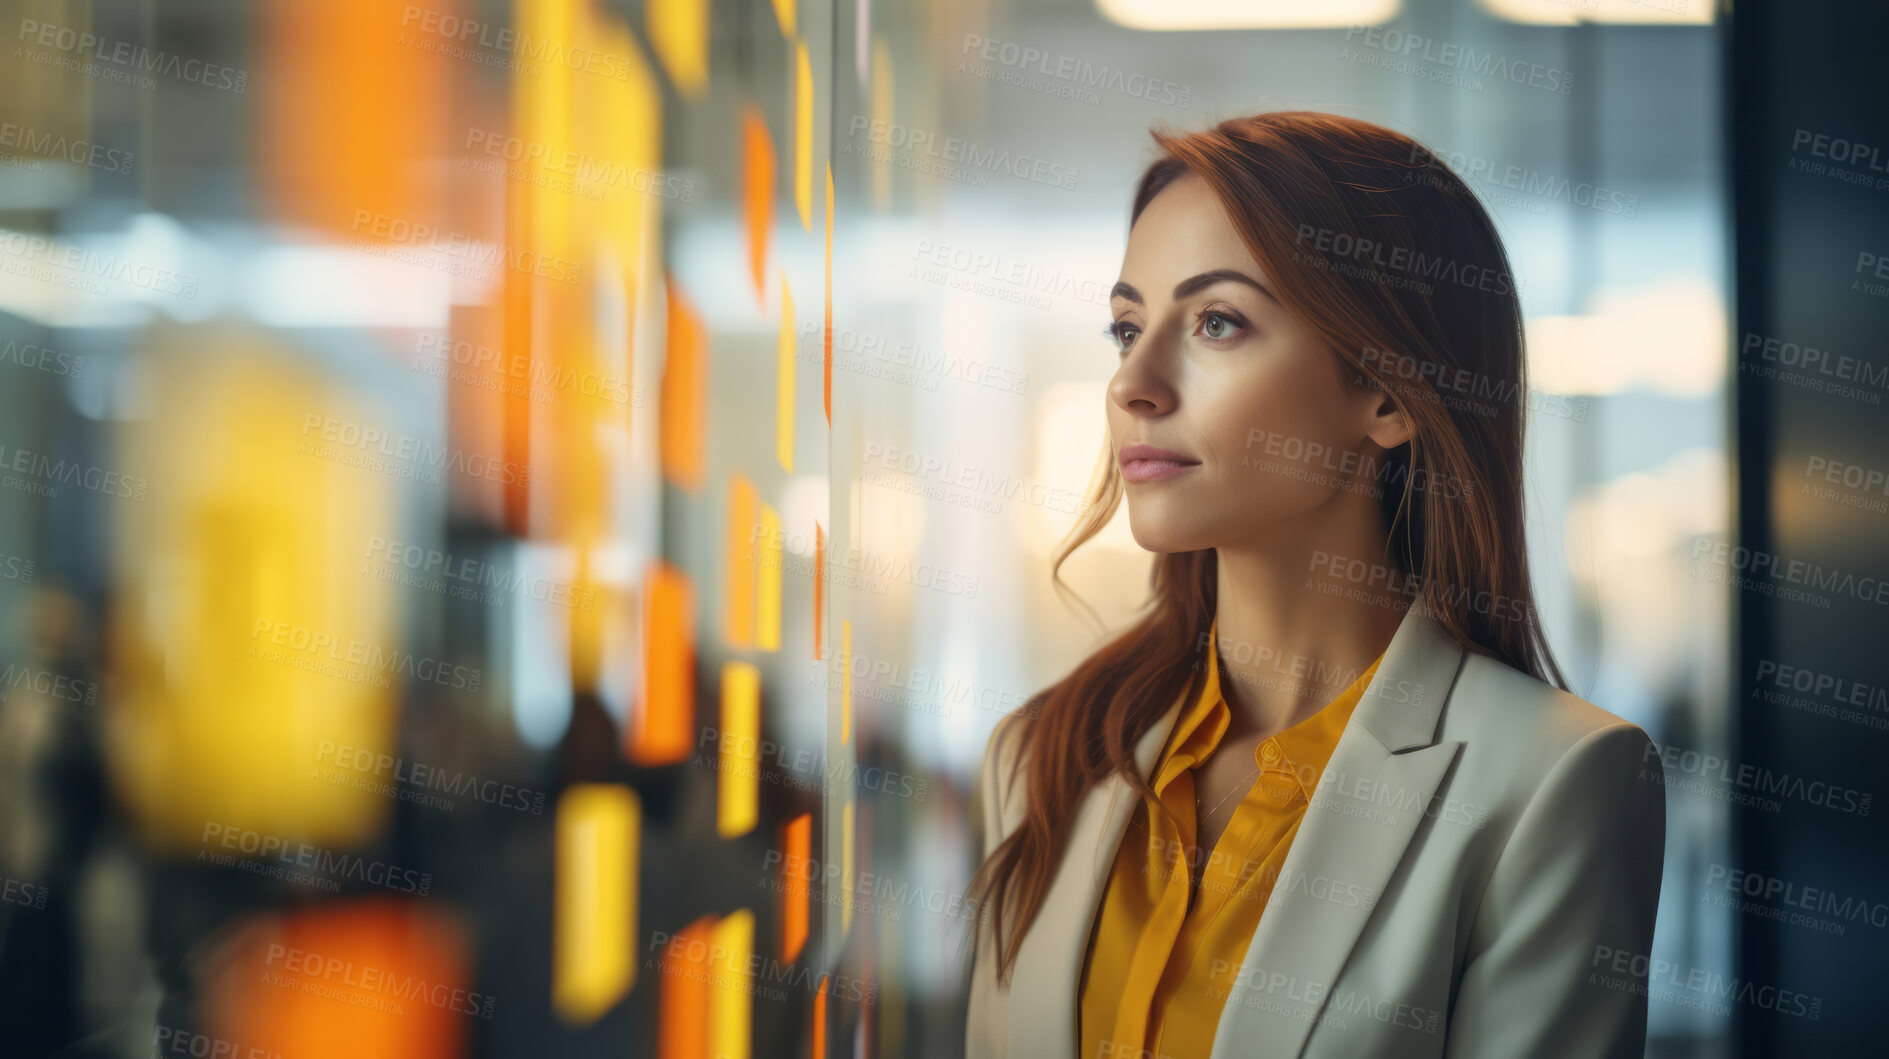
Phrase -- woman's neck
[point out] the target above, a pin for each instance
(1301, 614)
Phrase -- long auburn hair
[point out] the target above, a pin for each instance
(1384, 252)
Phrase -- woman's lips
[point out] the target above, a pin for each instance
(1154, 470)
(1145, 463)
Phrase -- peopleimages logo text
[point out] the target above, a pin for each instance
(968, 153)
(1755, 779)
(1077, 72)
(282, 858)
(1458, 57)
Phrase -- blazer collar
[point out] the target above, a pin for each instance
(1404, 704)
(1048, 971)
(1399, 711)
(1296, 958)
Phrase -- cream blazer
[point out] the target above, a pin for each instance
(1476, 875)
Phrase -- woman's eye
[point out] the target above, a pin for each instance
(1122, 333)
(1217, 326)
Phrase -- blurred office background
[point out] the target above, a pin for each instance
(519, 518)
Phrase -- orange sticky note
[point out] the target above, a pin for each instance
(819, 592)
(786, 350)
(684, 392)
(742, 559)
(684, 966)
(332, 153)
(819, 1019)
(518, 314)
(757, 181)
(662, 730)
(797, 846)
(375, 978)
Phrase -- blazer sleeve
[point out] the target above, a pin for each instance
(984, 1031)
(1577, 883)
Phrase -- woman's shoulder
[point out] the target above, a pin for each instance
(999, 774)
(999, 790)
(1515, 723)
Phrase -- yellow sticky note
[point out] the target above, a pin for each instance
(731, 1005)
(594, 919)
(881, 117)
(547, 115)
(846, 682)
(767, 594)
(242, 579)
(738, 802)
(678, 31)
(846, 867)
(803, 136)
(826, 342)
(784, 393)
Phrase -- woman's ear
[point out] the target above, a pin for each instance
(1388, 426)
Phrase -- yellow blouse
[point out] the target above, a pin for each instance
(1157, 971)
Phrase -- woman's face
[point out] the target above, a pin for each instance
(1215, 371)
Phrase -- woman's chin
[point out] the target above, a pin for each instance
(1163, 539)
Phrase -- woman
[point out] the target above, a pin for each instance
(1330, 796)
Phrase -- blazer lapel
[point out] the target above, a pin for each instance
(1335, 872)
(1048, 970)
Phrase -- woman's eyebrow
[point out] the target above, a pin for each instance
(1196, 284)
